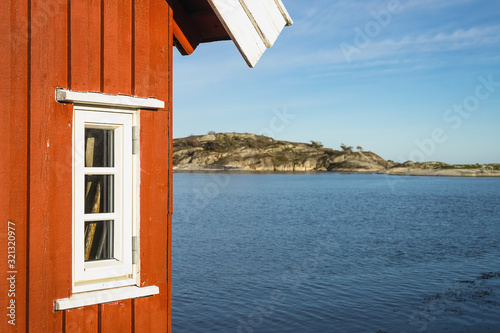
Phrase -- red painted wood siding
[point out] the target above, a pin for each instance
(14, 104)
(111, 46)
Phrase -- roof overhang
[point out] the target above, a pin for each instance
(253, 25)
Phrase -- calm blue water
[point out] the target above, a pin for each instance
(327, 252)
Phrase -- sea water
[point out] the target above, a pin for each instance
(325, 252)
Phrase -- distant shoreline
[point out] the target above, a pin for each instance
(392, 172)
(478, 173)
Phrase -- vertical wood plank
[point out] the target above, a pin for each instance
(85, 45)
(147, 319)
(161, 50)
(117, 52)
(14, 166)
(5, 145)
(154, 197)
(153, 50)
(142, 78)
(153, 78)
(82, 320)
(116, 317)
(50, 167)
(170, 173)
(152, 75)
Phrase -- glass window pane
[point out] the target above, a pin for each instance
(98, 240)
(99, 144)
(99, 190)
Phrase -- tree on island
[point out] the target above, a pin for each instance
(347, 149)
(316, 144)
(359, 148)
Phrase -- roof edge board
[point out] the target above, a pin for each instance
(284, 12)
(266, 17)
(240, 28)
(252, 28)
(184, 30)
(250, 15)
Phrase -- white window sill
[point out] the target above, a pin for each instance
(104, 296)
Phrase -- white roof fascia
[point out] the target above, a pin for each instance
(253, 25)
(240, 28)
(284, 12)
(266, 18)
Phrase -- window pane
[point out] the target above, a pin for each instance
(98, 240)
(99, 145)
(99, 190)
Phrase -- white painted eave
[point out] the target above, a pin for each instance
(253, 25)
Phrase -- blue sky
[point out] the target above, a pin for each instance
(409, 80)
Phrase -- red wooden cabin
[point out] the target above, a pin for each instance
(86, 167)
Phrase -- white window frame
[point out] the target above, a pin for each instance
(116, 272)
(115, 279)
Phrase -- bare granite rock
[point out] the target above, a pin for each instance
(260, 153)
(251, 152)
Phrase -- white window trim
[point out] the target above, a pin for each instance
(119, 268)
(76, 97)
(110, 289)
(104, 296)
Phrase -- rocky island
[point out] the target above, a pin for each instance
(251, 152)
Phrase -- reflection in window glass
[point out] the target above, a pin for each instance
(99, 193)
(99, 190)
(98, 240)
(99, 145)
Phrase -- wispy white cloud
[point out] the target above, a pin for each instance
(433, 4)
(328, 17)
(473, 44)
(467, 41)
(319, 30)
(459, 37)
